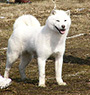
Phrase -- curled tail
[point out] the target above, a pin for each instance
(26, 20)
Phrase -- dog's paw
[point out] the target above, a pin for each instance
(42, 85)
(62, 83)
(5, 82)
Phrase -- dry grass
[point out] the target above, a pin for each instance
(76, 69)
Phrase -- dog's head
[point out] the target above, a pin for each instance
(59, 21)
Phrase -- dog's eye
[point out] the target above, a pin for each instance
(58, 20)
(65, 20)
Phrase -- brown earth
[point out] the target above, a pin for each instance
(76, 68)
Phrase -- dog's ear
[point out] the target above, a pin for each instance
(68, 12)
(53, 12)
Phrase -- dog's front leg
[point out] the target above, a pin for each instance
(58, 69)
(41, 66)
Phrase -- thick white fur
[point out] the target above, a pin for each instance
(43, 41)
(27, 20)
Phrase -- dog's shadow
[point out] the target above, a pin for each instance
(26, 81)
(76, 60)
(67, 59)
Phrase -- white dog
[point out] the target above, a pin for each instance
(27, 40)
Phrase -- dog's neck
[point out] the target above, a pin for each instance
(54, 34)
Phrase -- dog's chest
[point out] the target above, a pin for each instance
(56, 47)
(59, 48)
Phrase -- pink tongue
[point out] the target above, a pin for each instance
(62, 32)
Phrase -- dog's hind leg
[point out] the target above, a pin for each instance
(12, 56)
(25, 59)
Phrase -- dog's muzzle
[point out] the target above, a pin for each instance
(61, 31)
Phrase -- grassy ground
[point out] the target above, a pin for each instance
(76, 68)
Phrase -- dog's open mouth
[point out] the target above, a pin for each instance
(61, 31)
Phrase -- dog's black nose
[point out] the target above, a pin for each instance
(63, 26)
